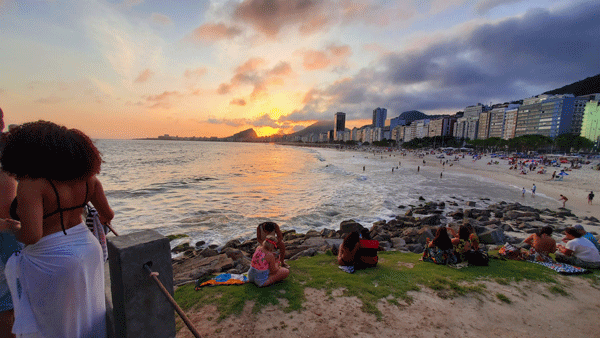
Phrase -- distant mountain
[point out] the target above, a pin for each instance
(590, 85)
(243, 136)
(315, 128)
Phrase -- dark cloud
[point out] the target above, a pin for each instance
(509, 60)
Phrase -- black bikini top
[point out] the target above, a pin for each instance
(13, 207)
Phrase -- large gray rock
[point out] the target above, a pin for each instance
(349, 226)
(306, 253)
(495, 236)
(314, 242)
(398, 242)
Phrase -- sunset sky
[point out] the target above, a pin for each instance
(141, 68)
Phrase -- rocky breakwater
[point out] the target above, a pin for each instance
(495, 224)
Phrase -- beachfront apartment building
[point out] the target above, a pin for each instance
(590, 126)
(548, 115)
(510, 122)
(339, 125)
(421, 128)
(379, 117)
(483, 131)
(443, 126)
(579, 110)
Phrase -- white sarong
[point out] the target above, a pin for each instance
(57, 286)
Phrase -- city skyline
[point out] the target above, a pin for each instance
(135, 68)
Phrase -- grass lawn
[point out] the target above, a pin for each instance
(396, 274)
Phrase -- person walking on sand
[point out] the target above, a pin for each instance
(533, 191)
(523, 195)
(590, 197)
(563, 199)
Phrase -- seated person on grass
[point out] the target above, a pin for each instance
(578, 251)
(348, 249)
(542, 244)
(366, 256)
(268, 228)
(265, 269)
(587, 235)
(464, 241)
(440, 250)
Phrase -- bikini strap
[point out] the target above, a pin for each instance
(62, 221)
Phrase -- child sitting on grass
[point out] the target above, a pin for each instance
(265, 269)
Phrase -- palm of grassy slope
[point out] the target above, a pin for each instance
(396, 274)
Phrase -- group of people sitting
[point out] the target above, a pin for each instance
(461, 247)
(580, 248)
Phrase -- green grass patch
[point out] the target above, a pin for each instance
(557, 290)
(503, 298)
(396, 275)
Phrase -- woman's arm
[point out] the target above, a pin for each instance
(278, 233)
(529, 240)
(454, 234)
(30, 209)
(100, 202)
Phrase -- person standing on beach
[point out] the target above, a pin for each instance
(563, 199)
(590, 197)
(533, 191)
(523, 192)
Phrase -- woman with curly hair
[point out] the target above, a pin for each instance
(57, 281)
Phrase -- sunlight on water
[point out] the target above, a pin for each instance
(216, 191)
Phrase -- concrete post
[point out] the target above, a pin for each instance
(139, 307)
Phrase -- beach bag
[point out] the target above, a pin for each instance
(92, 220)
(477, 257)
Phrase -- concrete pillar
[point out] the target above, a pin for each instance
(139, 307)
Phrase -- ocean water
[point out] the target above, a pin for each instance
(214, 191)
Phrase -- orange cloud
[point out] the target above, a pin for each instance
(332, 56)
(194, 73)
(314, 60)
(238, 102)
(144, 76)
(251, 72)
(162, 100)
(214, 32)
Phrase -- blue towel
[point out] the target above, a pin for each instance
(348, 269)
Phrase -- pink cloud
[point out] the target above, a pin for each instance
(144, 76)
(333, 55)
(214, 32)
(195, 73)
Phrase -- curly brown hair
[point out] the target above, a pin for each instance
(44, 149)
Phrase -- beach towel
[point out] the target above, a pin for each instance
(224, 279)
(562, 268)
(57, 286)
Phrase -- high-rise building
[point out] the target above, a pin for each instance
(339, 124)
(379, 116)
(590, 127)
